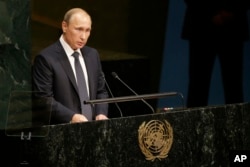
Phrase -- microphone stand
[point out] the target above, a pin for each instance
(117, 77)
(107, 85)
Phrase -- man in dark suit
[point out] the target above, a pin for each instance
(215, 28)
(54, 73)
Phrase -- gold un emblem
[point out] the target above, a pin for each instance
(155, 139)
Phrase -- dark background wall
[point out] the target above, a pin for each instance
(174, 73)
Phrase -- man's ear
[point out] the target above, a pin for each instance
(64, 26)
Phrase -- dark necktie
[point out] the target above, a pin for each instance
(82, 88)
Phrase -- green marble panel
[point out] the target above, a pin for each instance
(14, 51)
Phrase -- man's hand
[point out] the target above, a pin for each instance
(78, 118)
(101, 117)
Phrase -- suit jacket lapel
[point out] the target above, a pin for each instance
(66, 65)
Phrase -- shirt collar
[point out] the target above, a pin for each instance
(69, 51)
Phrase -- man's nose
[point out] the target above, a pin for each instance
(83, 35)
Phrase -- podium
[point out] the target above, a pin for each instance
(202, 136)
(195, 137)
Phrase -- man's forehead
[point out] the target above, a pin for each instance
(80, 16)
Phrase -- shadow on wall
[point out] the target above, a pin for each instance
(174, 72)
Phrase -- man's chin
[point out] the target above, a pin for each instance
(80, 45)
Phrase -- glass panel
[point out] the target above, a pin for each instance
(28, 115)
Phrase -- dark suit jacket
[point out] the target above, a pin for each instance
(54, 77)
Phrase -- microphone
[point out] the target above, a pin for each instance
(117, 77)
(106, 83)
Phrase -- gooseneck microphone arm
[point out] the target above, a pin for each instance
(117, 77)
(112, 94)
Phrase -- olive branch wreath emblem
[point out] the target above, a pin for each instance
(155, 139)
